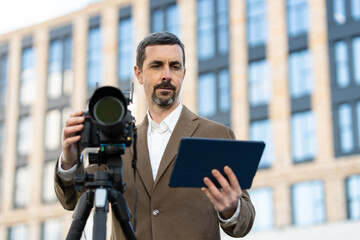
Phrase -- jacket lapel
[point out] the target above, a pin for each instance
(185, 127)
(143, 164)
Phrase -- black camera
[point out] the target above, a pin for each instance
(108, 121)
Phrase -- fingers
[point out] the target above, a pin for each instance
(73, 124)
(225, 198)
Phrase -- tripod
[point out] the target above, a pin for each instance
(102, 188)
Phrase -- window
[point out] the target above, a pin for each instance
(52, 229)
(165, 17)
(355, 10)
(342, 64)
(125, 52)
(94, 58)
(262, 199)
(259, 83)
(356, 59)
(22, 187)
(358, 122)
(3, 78)
(308, 205)
(301, 79)
(25, 134)
(60, 75)
(346, 128)
(262, 131)
(2, 148)
(27, 77)
(19, 231)
(48, 193)
(256, 22)
(53, 129)
(353, 196)
(212, 28)
(339, 11)
(303, 132)
(214, 95)
(297, 17)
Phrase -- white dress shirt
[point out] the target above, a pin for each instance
(158, 137)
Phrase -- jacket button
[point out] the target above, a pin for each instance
(155, 212)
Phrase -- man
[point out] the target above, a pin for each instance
(164, 212)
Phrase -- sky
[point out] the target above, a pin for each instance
(17, 14)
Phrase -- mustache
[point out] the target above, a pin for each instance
(165, 85)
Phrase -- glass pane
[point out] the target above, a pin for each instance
(346, 128)
(3, 79)
(303, 133)
(262, 131)
(297, 17)
(358, 121)
(256, 22)
(301, 79)
(262, 200)
(353, 196)
(356, 57)
(342, 64)
(223, 26)
(125, 50)
(207, 95)
(25, 134)
(355, 9)
(22, 187)
(259, 83)
(53, 130)
(27, 77)
(339, 11)
(172, 19)
(308, 203)
(224, 91)
(52, 229)
(48, 193)
(94, 58)
(2, 142)
(17, 232)
(158, 21)
(206, 29)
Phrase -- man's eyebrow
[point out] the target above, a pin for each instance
(156, 62)
(175, 62)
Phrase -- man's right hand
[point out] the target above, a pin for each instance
(74, 124)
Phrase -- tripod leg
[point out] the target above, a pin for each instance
(100, 215)
(81, 213)
(122, 213)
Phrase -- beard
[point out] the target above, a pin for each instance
(164, 99)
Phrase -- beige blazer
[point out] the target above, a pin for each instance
(182, 213)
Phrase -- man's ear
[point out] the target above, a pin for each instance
(138, 74)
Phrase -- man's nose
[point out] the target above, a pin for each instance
(166, 74)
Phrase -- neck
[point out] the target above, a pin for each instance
(158, 114)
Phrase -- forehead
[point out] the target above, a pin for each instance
(163, 53)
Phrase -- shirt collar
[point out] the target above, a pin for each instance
(170, 121)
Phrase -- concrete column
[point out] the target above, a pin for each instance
(238, 69)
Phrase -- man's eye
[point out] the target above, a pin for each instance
(155, 66)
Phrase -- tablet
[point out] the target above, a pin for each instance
(198, 156)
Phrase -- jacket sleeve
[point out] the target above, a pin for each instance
(66, 190)
(245, 219)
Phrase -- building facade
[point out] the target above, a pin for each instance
(283, 71)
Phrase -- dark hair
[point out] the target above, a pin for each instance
(157, 38)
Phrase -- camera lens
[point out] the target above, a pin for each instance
(108, 111)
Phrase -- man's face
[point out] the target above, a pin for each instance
(162, 74)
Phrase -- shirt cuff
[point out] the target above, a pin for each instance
(233, 219)
(69, 174)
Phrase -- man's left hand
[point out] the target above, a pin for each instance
(225, 200)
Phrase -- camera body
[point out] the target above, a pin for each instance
(108, 121)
